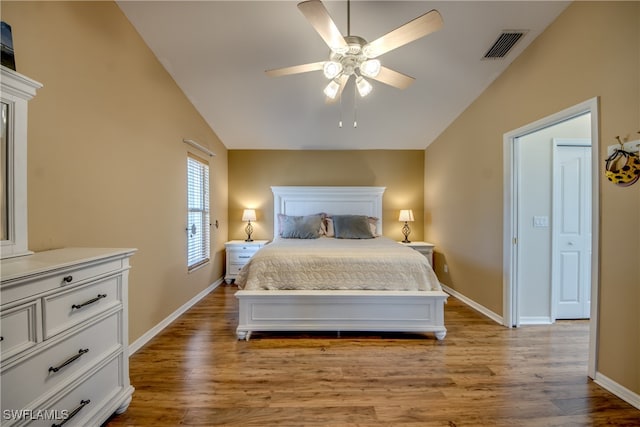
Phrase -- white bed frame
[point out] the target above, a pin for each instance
(377, 311)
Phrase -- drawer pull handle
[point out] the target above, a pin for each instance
(244, 256)
(73, 413)
(91, 301)
(69, 360)
(67, 279)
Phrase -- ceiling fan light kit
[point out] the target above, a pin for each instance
(364, 87)
(352, 55)
(332, 89)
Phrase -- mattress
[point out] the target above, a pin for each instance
(337, 264)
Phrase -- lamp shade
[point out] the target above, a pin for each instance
(249, 215)
(406, 215)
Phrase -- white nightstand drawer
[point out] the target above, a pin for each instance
(241, 257)
(66, 359)
(67, 309)
(235, 268)
(19, 329)
(90, 396)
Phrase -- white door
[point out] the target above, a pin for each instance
(571, 257)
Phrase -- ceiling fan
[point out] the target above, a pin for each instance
(354, 56)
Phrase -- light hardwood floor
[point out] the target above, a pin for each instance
(196, 373)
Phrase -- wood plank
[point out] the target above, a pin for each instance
(197, 373)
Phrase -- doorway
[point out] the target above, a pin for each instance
(529, 222)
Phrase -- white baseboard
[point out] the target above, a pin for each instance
(535, 320)
(140, 342)
(620, 391)
(471, 303)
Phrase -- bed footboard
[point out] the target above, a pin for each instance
(375, 311)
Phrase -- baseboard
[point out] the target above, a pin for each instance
(535, 320)
(622, 392)
(140, 342)
(471, 303)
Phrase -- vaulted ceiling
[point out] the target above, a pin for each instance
(217, 52)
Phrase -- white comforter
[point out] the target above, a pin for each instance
(328, 263)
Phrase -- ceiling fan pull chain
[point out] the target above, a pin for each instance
(355, 107)
(340, 107)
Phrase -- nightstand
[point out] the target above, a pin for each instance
(424, 248)
(239, 253)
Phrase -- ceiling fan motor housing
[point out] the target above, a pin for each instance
(353, 57)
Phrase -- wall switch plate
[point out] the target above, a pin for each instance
(540, 221)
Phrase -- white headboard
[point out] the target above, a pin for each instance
(332, 200)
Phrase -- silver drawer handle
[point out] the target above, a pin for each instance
(91, 301)
(69, 360)
(73, 413)
(244, 256)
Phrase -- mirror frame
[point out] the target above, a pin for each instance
(16, 90)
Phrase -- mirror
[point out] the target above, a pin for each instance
(15, 92)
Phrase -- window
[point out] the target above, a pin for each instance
(198, 227)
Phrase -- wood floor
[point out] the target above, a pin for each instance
(196, 373)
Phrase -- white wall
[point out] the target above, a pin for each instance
(535, 194)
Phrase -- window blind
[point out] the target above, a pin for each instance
(198, 224)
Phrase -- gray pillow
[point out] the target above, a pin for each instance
(352, 227)
(301, 227)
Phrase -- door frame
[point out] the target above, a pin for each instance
(510, 218)
(555, 274)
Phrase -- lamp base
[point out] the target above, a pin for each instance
(249, 230)
(406, 230)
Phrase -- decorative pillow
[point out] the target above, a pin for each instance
(300, 227)
(373, 224)
(328, 221)
(352, 227)
(330, 232)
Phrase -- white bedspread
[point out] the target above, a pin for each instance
(338, 264)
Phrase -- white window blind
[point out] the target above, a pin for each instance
(198, 229)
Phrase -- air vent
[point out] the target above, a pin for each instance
(503, 44)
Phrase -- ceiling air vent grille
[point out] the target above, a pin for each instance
(503, 44)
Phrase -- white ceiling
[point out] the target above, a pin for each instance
(217, 52)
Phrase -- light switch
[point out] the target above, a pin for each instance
(540, 221)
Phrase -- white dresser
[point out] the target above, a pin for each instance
(239, 252)
(64, 338)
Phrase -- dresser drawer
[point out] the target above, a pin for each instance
(78, 275)
(20, 329)
(66, 309)
(90, 396)
(45, 371)
(68, 277)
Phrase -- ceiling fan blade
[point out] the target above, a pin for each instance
(321, 21)
(411, 31)
(393, 78)
(342, 81)
(296, 69)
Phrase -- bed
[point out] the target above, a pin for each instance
(389, 288)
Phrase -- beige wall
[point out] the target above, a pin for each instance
(591, 50)
(107, 163)
(253, 172)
